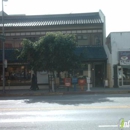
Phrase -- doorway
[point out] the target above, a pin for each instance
(99, 75)
(126, 76)
(123, 76)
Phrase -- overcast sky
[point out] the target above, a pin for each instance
(117, 12)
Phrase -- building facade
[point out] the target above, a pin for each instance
(118, 52)
(89, 29)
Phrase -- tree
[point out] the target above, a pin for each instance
(52, 52)
(30, 54)
(59, 52)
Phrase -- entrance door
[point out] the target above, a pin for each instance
(126, 76)
(123, 76)
(99, 75)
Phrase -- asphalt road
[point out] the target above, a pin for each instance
(76, 112)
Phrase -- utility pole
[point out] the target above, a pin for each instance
(3, 46)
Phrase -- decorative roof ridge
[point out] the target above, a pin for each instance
(52, 15)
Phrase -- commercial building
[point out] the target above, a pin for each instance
(118, 51)
(89, 29)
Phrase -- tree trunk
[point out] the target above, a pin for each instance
(53, 88)
(34, 85)
(58, 75)
(58, 78)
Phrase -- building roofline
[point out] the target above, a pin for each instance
(55, 19)
(118, 32)
(49, 15)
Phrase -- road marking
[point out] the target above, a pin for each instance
(107, 126)
(64, 108)
(30, 120)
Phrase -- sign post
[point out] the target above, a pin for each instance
(88, 81)
(51, 82)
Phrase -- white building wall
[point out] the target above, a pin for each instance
(120, 41)
(42, 77)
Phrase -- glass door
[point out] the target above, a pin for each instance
(126, 76)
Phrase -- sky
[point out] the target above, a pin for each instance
(117, 12)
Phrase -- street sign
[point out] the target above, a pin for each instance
(2, 37)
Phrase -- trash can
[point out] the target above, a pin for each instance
(106, 83)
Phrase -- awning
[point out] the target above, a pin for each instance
(10, 55)
(91, 53)
(87, 54)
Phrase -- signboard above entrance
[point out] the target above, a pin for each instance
(124, 57)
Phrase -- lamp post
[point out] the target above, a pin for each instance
(3, 47)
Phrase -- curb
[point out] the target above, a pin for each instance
(62, 93)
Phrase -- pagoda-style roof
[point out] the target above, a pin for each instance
(48, 20)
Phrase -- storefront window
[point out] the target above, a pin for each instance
(18, 73)
(126, 76)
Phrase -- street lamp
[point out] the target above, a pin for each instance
(3, 47)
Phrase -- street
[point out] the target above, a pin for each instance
(68, 112)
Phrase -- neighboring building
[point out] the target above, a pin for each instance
(118, 51)
(89, 29)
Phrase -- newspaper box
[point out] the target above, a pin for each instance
(67, 82)
(74, 80)
(81, 82)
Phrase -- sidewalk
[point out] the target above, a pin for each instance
(44, 90)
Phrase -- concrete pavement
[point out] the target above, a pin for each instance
(62, 90)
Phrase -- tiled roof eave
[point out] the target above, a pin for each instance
(30, 25)
(25, 23)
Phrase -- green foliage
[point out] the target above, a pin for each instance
(30, 54)
(59, 52)
(52, 52)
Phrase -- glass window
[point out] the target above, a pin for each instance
(79, 37)
(7, 34)
(37, 33)
(78, 31)
(17, 34)
(12, 34)
(89, 31)
(84, 31)
(32, 33)
(68, 32)
(83, 39)
(22, 33)
(74, 31)
(94, 31)
(99, 30)
(43, 33)
(18, 73)
(96, 39)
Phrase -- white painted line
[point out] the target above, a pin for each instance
(26, 120)
(107, 126)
